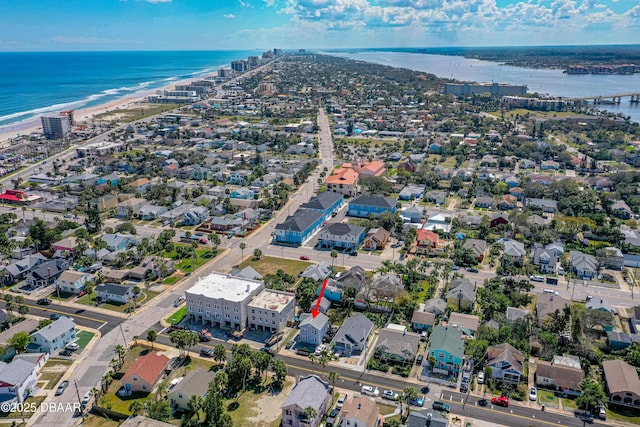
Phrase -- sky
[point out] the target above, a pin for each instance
(68, 25)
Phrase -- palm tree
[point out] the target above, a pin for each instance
(120, 352)
(334, 255)
(161, 390)
(333, 377)
(257, 253)
(152, 336)
(136, 407)
(407, 394)
(195, 403)
(243, 246)
(219, 353)
(309, 413)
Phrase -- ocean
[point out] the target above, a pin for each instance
(551, 82)
(33, 83)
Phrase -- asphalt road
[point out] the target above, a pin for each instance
(82, 317)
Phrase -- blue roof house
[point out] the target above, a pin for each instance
(366, 204)
(298, 227)
(326, 202)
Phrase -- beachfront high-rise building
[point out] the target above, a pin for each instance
(57, 125)
(240, 65)
(278, 52)
(254, 61)
(495, 89)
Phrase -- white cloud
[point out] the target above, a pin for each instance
(158, 1)
(229, 16)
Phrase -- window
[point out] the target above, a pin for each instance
(208, 304)
(135, 378)
(253, 310)
(236, 317)
(235, 309)
(253, 317)
(226, 316)
(144, 386)
(226, 308)
(180, 394)
(273, 315)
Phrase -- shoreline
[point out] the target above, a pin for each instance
(28, 126)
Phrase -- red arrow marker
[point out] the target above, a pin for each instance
(315, 310)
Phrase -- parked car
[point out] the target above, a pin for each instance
(54, 316)
(455, 268)
(85, 400)
(81, 293)
(602, 412)
(419, 360)
(206, 352)
(500, 401)
(536, 278)
(43, 301)
(340, 402)
(179, 301)
(304, 258)
(533, 394)
(390, 395)
(62, 387)
(416, 401)
(482, 402)
(290, 344)
(320, 349)
(72, 346)
(440, 406)
(464, 387)
(267, 350)
(472, 270)
(203, 241)
(370, 391)
(66, 352)
(480, 377)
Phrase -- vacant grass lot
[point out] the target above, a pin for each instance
(137, 113)
(270, 265)
(83, 338)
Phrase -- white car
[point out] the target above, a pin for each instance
(480, 377)
(533, 394)
(72, 346)
(536, 278)
(390, 395)
(320, 348)
(370, 391)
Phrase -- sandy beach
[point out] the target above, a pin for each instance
(29, 126)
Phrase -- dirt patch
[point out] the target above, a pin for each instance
(268, 407)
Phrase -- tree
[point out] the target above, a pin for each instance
(213, 408)
(309, 413)
(334, 255)
(184, 340)
(120, 351)
(159, 410)
(408, 394)
(261, 361)
(215, 240)
(243, 246)
(219, 353)
(152, 336)
(592, 395)
(136, 408)
(195, 403)
(93, 222)
(334, 377)
(19, 341)
(279, 369)
(257, 253)
(44, 322)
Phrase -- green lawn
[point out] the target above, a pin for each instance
(89, 299)
(202, 257)
(270, 265)
(547, 398)
(64, 296)
(569, 403)
(83, 338)
(386, 409)
(171, 280)
(178, 316)
(51, 378)
(620, 417)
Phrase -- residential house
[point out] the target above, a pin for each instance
(114, 293)
(506, 363)
(196, 215)
(355, 278)
(72, 282)
(270, 310)
(489, 161)
(148, 212)
(395, 344)
(437, 306)
(105, 203)
(477, 247)
(326, 202)
(611, 257)
(313, 329)
(341, 236)
(343, 181)
(512, 181)
(517, 192)
(461, 294)
(446, 347)
(145, 373)
(620, 209)
(600, 304)
(361, 411)
(309, 391)
(36, 359)
(499, 218)
(46, 273)
(366, 205)
(298, 227)
(318, 271)
(467, 323)
(563, 374)
(130, 207)
(618, 340)
(484, 202)
(18, 381)
(371, 169)
(376, 239)
(118, 241)
(67, 244)
(426, 418)
(52, 337)
(352, 336)
(507, 202)
(549, 165)
(242, 193)
(222, 300)
(435, 148)
(514, 249)
(527, 164)
(383, 288)
(428, 243)
(247, 273)
(414, 214)
(623, 385)
(547, 205)
(437, 197)
(411, 192)
(584, 265)
(195, 383)
(438, 222)
(422, 320)
(545, 258)
(547, 304)
(20, 269)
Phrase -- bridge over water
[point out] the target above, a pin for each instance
(608, 99)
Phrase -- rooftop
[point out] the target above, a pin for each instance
(272, 300)
(225, 287)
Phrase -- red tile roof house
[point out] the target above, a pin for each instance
(145, 373)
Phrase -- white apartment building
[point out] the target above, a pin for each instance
(270, 310)
(221, 300)
(55, 126)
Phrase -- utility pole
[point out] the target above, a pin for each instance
(75, 383)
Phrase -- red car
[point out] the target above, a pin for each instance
(304, 258)
(500, 401)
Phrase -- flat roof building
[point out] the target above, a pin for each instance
(221, 300)
(271, 309)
